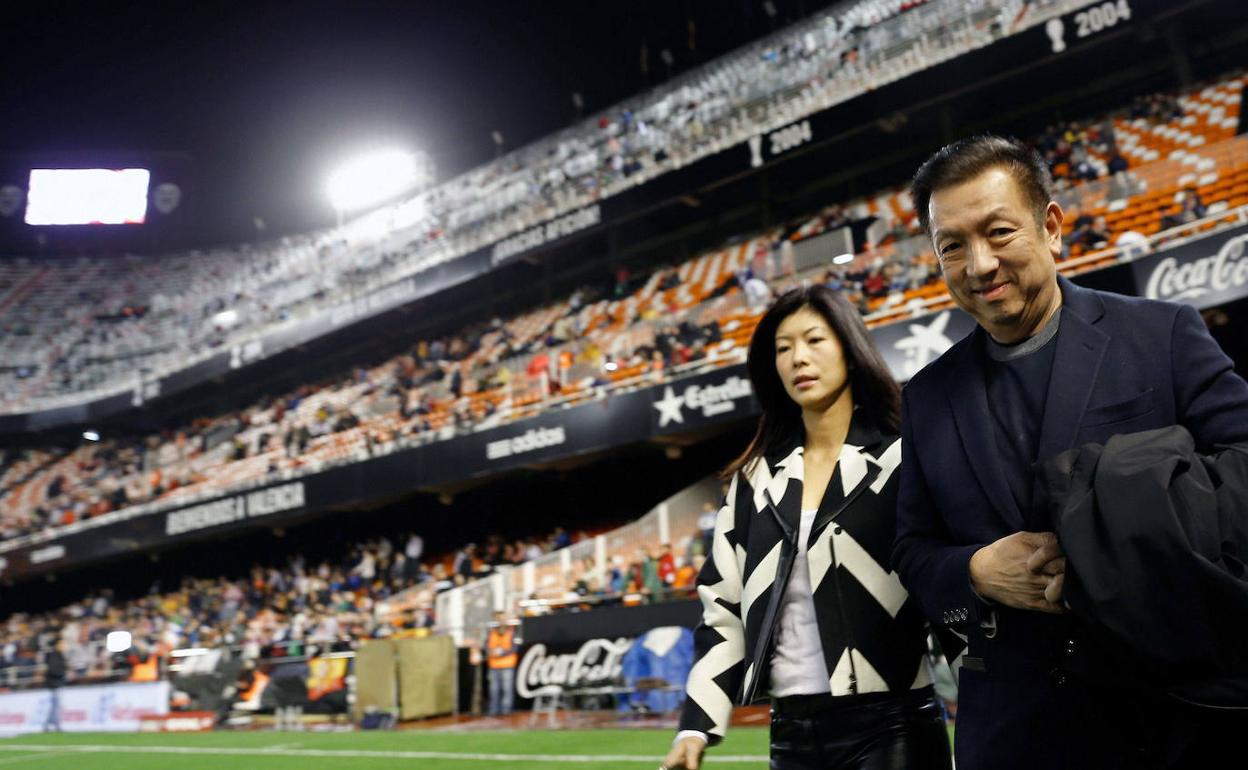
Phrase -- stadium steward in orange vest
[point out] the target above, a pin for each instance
(502, 656)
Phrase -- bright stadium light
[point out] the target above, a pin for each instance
(91, 435)
(371, 179)
(117, 641)
(843, 259)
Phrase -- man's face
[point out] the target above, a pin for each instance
(998, 262)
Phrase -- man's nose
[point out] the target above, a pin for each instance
(981, 260)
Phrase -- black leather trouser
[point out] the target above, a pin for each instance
(904, 730)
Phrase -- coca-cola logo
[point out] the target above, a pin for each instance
(1225, 270)
(597, 660)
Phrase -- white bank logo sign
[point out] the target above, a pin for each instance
(709, 399)
(530, 440)
(1226, 270)
(924, 344)
(284, 497)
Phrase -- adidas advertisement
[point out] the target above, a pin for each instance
(530, 440)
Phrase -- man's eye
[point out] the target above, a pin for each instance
(948, 247)
(1001, 232)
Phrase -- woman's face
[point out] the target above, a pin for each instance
(809, 360)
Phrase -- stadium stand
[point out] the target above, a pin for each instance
(164, 315)
(639, 331)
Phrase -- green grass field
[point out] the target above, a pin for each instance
(637, 749)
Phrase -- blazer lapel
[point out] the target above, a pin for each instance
(968, 398)
(781, 492)
(851, 476)
(1076, 363)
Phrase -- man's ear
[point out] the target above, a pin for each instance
(1053, 218)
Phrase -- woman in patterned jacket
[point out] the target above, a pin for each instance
(800, 604)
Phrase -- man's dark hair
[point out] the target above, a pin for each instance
(967, 158)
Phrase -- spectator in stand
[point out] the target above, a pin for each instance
(1133, 244)
(686, 572)
(757, 292)
(701, 545)
(1096, 236)
(1117, 163)
(1191, 208)
(667, 566)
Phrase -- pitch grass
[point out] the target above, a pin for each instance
(298, 750)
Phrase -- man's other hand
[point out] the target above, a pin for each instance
(1024, 570)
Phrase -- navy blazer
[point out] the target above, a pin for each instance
(1122, 364)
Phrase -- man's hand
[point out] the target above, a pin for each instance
(687, 753)
(1025, 570)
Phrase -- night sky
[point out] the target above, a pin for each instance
(266, 97)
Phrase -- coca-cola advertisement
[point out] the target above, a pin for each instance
(606, 671)
(570, 666)
(1205, 273)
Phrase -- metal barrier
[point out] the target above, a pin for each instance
(578, 574)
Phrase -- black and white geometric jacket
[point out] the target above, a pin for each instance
(874, 638)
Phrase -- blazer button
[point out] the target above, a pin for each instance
(1070, 648)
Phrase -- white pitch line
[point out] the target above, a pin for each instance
(341, 754)
(41, 755)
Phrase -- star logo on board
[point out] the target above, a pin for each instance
(670, 407)
(925, 343)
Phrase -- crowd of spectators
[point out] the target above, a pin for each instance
(288, 608)
(423, 394)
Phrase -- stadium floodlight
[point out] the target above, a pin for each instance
(117, 641)
(372, 179)
(91, 435)
(842, 259)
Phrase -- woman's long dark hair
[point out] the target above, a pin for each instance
(877, 396)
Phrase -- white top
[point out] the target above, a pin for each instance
(797, 665)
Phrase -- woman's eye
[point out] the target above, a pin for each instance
(782, 350)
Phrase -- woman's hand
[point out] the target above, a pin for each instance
(687, 754)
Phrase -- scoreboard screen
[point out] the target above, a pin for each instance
(87, 196)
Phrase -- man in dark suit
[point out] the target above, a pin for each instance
(1051, 366)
